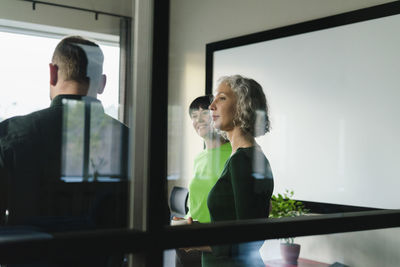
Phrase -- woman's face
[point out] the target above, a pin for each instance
(201, 120)
(223, 108)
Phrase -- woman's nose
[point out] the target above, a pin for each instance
(212, 106)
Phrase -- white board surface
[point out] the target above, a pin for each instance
(334, 98)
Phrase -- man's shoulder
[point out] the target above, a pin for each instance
(20, 126)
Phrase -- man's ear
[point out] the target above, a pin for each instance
(102, 84)
(53, 74)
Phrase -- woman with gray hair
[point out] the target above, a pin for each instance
(243, 191)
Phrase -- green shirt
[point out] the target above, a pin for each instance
(208, 166)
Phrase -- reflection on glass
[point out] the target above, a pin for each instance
(363, 248)
(94, 157)
(64, 167)
(73, 138)
(94, 144)
(243, 254)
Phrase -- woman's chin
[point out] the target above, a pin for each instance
(204, 133)
(216, 126)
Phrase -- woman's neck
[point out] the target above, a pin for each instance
(214, 141)
(240, 139)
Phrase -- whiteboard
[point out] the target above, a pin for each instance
(334, 98)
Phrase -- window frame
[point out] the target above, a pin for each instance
(154, 242)
(158, 237)
(122, 41)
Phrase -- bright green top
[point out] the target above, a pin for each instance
(208, 166)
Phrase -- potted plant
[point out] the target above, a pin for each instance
(283, 205)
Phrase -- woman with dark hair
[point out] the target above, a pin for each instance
(207, 168)
(209, 163)
(243, 191)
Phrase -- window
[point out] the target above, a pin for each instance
(157, 237)
(25, 73)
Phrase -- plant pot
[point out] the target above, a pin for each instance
(290, 252)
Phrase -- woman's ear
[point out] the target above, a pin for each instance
(53, 74)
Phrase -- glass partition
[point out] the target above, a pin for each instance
(344, 249)
(64, 162)
(66, 166)
(250, 146)
(65, 130)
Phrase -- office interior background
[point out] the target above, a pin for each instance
(172, 83)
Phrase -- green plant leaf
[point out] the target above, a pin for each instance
(283, 205)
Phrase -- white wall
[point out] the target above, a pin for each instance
(365, 248)
(196, 23)
(68, 18)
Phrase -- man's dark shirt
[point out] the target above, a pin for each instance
(33, 162)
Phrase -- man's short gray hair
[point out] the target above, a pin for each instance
(79, 59)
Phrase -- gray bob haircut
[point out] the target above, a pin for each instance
(251, 108)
